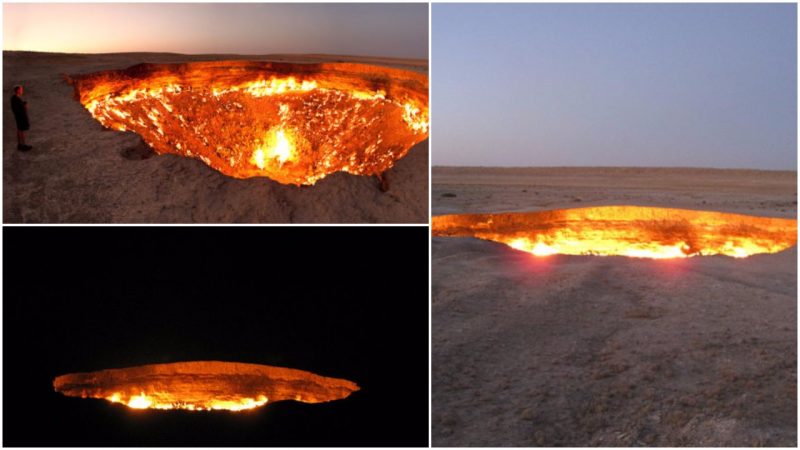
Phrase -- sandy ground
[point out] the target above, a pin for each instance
(612, 351)
(79, 172)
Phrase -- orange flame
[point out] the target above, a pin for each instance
(639, 232)
(323, 117)
(163, 400)
(277, 147)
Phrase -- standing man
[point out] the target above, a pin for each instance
(20, 109)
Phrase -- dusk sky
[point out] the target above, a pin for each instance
(615, 85)
(397, 30)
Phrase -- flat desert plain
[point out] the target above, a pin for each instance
(79, 172)
(612, 351)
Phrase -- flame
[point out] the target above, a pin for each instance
(415, 118)
(537, 248)
(203, 386)
(342, 117)
(638, 232)
(263, 88)
(366, 95)
(277, 147)
(607, 247)
(140, 401)
(156, 401)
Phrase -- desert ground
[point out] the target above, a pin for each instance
(612, 351)
(79, 172)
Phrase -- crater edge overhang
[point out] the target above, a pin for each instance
(293, 123)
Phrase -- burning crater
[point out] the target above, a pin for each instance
(641, 232)
(293, 123)
(203, 385)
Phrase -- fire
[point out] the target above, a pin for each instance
(415, 118)
(537, 248)
(203, 386)
(281, 149)
(278, 147)
(144, 401)
(633, 231)
(274, 86)
(140, 401)
(294, 123)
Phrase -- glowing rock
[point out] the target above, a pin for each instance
(203, 385)
(634, 231)
(294, 123)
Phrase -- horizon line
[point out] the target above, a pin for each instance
(223, 53)
(611, 167)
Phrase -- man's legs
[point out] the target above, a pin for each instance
(21, 141)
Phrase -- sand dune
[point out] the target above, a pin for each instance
(79, 172)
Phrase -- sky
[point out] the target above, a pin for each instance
(672, 85)
(396, 30)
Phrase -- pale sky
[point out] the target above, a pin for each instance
(705, 85)
(394, 30)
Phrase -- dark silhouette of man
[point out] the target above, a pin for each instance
(20, 109)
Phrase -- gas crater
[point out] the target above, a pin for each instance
(293, 123)
(203, 385)
(634, 231)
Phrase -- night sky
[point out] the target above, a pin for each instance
(346, 302)
(676, 85)
(395, 30)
